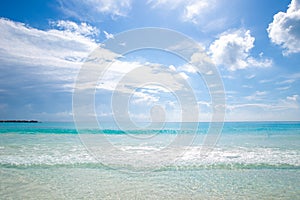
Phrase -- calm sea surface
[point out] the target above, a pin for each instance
(251, 160)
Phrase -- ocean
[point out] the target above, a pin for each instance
(50, 160)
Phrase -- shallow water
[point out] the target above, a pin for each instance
(50, 161)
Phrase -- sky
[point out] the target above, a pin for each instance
(254, 45)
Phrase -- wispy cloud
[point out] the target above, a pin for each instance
(230, 77)
(294, 76)
(288, 81)
(108, 35)
(287, 108)
(50, 54)
(47, 48)
(44, 65)
(89, 10)
(191, 10)
(250, 76)
(283, 88)
(266, 81)
(258, 95)
(290, 102)
(247, 86)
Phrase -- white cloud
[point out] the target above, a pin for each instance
(290, 102)
(115, 73)
(171, 3)
(193, 10)
(25, 45)
(187, 68)
(205, 103)
(247, 86)
(259, 63)
(250, 76)
(247, 105)
(183, 75)
(285, 29)
(144, 98)
(210, 72)
(83, 28)
(281, 110)
(45, 116)
(293, 98)
(114, 7)
(172, 68)
(108, 35)
(283, 88)
(287, 81)
(265, 81)
(154, 89)
(135, 74)
(257, 95)
(48, 54)
(232, 50)
(228, 77)
(90, 8)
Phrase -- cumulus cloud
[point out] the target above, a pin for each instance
(285, 29)
(232, 50)
(172, 68)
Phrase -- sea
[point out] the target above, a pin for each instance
(54, 160)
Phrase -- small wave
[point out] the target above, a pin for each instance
(217, 166)
(144, 156)
(228, 166)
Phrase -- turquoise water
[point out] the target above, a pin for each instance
(51, 161)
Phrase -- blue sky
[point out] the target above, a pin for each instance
(254, 44)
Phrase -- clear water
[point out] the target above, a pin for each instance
(49, 161)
